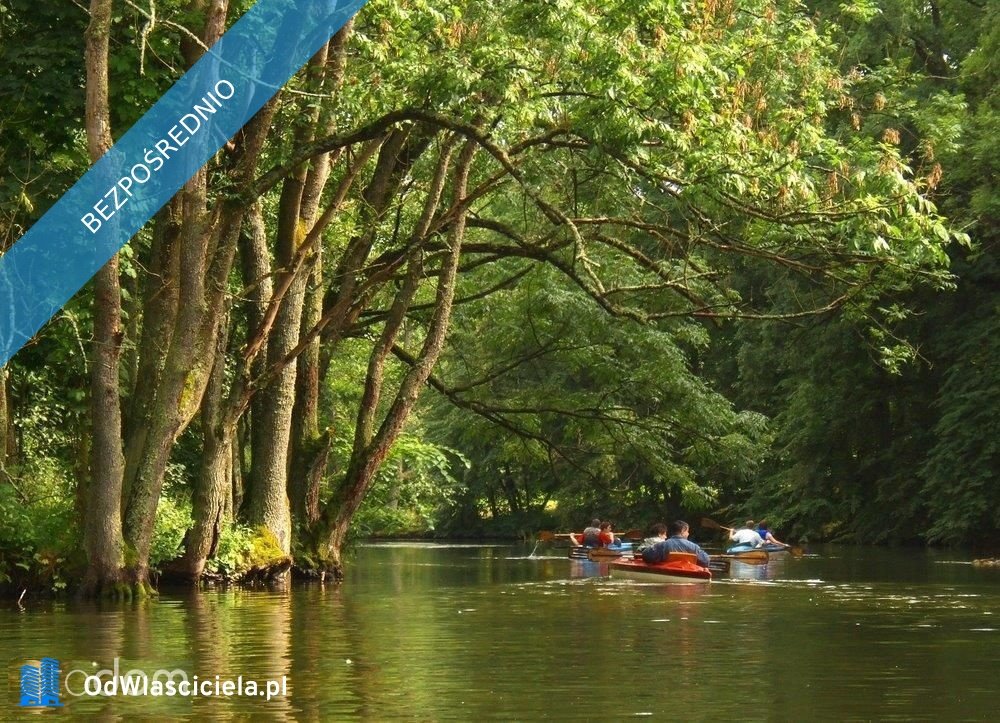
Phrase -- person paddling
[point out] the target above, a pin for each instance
(591, 536)
(766, 536)
(677, 542)
(747, 535)
(606, 537)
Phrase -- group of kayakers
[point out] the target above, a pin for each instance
(673, 538)
(751, 535)
(598, 534)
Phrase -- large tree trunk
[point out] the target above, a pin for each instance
(204, 247)
(212, 500)
(371, 448)
(310, 448)
(265, 501)
(102, 527)
(213, 504)
(268, 485)
(164, 413)
(103, 539)
(215, 495)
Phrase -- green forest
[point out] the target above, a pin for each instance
(486, 268)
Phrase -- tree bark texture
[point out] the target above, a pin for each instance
(103, 539)
(191, 260)
(310, 448)
(212, 503)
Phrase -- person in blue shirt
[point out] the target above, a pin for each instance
(677, 542)
(766, 536)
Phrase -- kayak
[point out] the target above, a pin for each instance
(749, 550)
(679, 567)
(611, 552)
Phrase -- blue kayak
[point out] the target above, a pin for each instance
(768, 547)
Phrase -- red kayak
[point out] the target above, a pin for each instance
(679, 567)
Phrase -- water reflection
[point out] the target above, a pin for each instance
(586, 568)
(487, 632)
(774, 569)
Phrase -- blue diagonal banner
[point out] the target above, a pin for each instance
(143, 170)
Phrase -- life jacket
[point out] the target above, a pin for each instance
(592, 537)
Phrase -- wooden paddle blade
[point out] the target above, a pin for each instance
(546, 536)
(632, 534)
(796, 551)
(713, 525)
(718, 564)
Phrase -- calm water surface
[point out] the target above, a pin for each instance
(432, 632)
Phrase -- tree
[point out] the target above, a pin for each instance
(867, 408)
(636, 160)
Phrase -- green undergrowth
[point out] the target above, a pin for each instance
(243, 549)
(39, 548)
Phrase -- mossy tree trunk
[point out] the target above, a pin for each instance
(268, 485)
(185, 306)
(212, 502)
(266, 502)
(4, 423)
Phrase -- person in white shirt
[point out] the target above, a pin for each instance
(747, 535)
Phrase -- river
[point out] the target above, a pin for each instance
(430, 632)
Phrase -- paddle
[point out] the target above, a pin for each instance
(548, 535)
(713, 525)
(751, 557)
(717, 564)
(793, 550)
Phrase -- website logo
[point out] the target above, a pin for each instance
(40, 684)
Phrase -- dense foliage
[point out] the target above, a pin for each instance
(884, 432)
(648, 259)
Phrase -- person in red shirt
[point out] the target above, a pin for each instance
(599, 534)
